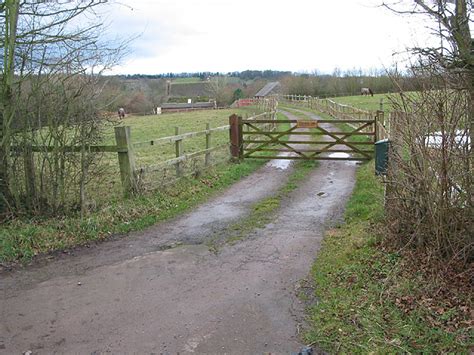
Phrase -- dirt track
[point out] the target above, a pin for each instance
(133, 294)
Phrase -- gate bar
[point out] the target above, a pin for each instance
(319, 121)
(280, 157)
(306, 142)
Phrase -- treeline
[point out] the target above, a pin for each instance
(142, 93)
(258, 74)
(244, 75)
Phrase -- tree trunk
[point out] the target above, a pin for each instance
(4, 193)
(7, 108)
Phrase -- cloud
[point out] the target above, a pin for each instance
(210, 35)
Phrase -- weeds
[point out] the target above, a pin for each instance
(375, 299)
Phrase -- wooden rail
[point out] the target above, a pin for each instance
(73, 149)
(178, 137)
(125, 148)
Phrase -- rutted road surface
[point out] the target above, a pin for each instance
(132, 294)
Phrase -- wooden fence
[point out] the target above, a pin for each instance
(343, 112)
(263, 104)
(245, 102)
(131, 176)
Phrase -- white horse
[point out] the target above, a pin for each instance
(121, 112)
(366, 92)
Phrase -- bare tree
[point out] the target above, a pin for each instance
(53, 55)
(430, 205)
(451, 20)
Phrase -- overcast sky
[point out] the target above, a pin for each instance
(298, 35)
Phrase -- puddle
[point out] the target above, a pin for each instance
(281, 164)
(339, 155)
(342, 155)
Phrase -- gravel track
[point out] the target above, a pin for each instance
(143, 293)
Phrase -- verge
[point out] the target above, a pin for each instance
(23, 239)
(371, 298)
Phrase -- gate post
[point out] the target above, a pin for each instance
(236, 137)
(379, 120)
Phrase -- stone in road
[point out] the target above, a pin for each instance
(133, 295)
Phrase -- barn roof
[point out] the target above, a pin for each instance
(267, 89)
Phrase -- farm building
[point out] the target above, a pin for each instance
(268, 90)
(179, 107)
(188, 96)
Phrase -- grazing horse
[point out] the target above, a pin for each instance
(121, 112)
(366, 92)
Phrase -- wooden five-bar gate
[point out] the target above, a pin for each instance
(305, 139)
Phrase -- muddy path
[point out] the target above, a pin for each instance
(147, 293)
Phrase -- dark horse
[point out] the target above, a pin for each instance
(366, 92)
(121, 112)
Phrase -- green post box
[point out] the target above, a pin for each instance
(381, 156)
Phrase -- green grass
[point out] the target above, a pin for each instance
(372, 103)
(366, 302)
(106, 185)
(369, 103)
(146, 128)
(20, 240)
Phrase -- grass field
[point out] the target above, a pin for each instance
(107, 186)
(144, 128)
(370, 103)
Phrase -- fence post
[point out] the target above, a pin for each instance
(179, 150)
(207, 159)
(126, 159)
(381, 104)
(236, 136)
(29, 176)
(379, 120)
